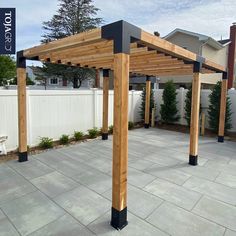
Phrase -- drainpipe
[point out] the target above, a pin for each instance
(201, 46)
(231, 56)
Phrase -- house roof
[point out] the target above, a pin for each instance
(35, 69)
(224, 42)
(201, 37)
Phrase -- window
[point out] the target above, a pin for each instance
(54, 81)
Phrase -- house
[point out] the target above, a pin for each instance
(43, 81)
(221, 52)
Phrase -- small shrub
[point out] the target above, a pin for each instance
(93, 133)
(64, 139)
(78, 135)
(100, 131)
(46, 142)
(131, 125)
(110, 129)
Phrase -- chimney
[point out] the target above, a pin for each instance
(231, 56)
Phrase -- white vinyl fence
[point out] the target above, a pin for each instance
(52, 113)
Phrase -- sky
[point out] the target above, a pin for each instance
(210, 17)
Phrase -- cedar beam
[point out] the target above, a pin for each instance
(22, 123)
(105, 104)
(223, 99)
(147, 103)
(194, 125)
(120, 141)
(97, 79)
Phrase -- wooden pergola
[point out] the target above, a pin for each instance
(125, 49)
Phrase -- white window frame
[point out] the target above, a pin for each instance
(53, 83)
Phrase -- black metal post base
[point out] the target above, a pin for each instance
(22, 156)
(119, 218)
(146, 126)
(104, 136)
(220, 139)
(193, 160)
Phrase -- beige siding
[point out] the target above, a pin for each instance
(205, 79)
(191, 43)
(218, 56)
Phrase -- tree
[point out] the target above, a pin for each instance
(188, 104)
(169, 112)
(143, 103)
(214, 109)
(73, 16)
(28, 81)
(7, 69)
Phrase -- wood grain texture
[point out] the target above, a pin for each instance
(194, 124)
(88, 49)
(22, 122)
(223, 98)
(203, 119)
(120, 131)
(84, 38)
(105, 104)
(147, 102)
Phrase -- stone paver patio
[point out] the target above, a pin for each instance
(68, 191)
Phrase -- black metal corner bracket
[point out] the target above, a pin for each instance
(105, 72)
(123, 33)
(148, 78)
(119, 218)
(224, 75)
(197, 66)
(20, 60)
(220, 139)
(193, 160)
(146, 126)
(22, 156)
(104, 136)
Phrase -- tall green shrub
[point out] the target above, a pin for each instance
(142, 106)
(169, 112)
(188, 104)
(214, 109)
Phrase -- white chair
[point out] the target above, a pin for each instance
(3, 139)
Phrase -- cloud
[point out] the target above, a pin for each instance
(29, 18)
(210, 17)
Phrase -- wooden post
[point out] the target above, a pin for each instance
(97, 79)
(105, 104)
(22, 123)
(153, 117)
(120, 141)
(203, 119)
(194, 124)
(223, 100)
(147, 103)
